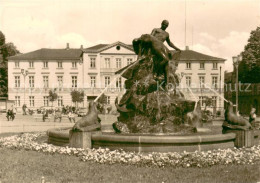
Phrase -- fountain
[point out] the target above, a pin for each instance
(154, 115)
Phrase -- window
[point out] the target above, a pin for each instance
(202, 65)
(92, 63)
(107, 99)
(46, 101)
(107, 81)
(31, 81)
(59, 64)
(17, 101)
(17, 81)
(129, 61)
(118, 63)
(93, 81)
(202, 81)
(214, 101)
(31, 64)
(60, 101)
(31, 100)
(214, 81)
(188, 65)
(215, 65)
(46, 81)
(188, 81)
(74, 81)
(74, 64)
(60, 81)
(119, 82)
(45, 64)
(107, 62)
(202, 101)
(17, 64)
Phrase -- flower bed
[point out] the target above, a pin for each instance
(28, 141)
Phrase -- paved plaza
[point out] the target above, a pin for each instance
(27, 123)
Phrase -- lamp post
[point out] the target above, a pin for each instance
(236, 60)
(83, 82)
(220, 91)
(24, 73)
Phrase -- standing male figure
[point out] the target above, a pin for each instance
(162, 35)
(154, 41)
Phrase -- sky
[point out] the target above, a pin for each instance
(218, 28)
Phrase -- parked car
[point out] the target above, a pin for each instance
(82, 112)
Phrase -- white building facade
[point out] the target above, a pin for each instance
(32, 75)
(100, 64)
(93, 68)
(201, 72)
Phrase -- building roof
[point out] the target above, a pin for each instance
(101, 47)
(96, 47)
(190, 55)
(186, 55)
(50, 54)
(75, 54)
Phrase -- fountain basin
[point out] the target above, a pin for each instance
(163, 143)
(59, 136)
(148, 143)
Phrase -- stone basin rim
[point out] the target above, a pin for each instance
(124, 138)
(164, 139)
(149, 143)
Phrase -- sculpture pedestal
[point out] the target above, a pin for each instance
(81, 139)
(244, 138)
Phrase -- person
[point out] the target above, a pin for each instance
(14, 109)
(24, 109)
(10, 114)
(57, 115)
(252, 116)
(71, 116)
(63, 110)
(44, 115)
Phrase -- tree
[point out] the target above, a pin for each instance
(6, 50)
(2, 38)
(77, 96)
(53, 96)
(9, 49)
(249, 68)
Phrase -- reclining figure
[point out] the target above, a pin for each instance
(90, 122)
(234, 121)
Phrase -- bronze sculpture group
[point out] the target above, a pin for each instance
(149, 105)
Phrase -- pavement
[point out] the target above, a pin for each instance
(26, 123)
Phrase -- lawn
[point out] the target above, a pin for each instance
(30, 166)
